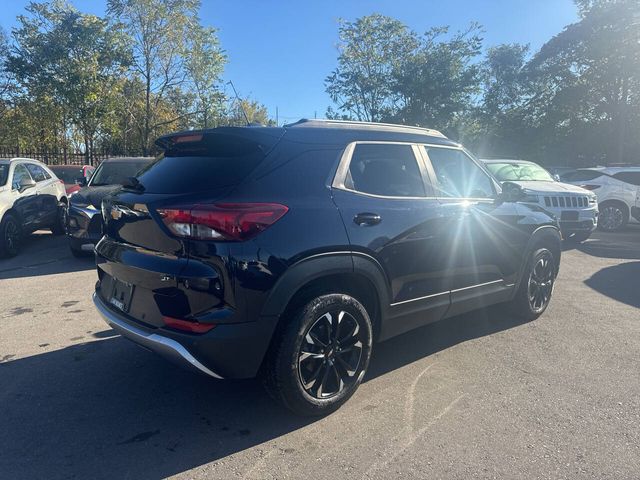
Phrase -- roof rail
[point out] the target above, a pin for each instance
(305, 122)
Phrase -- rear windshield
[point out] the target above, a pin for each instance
(4, 173)
(220, 162)
(114, 173)
(68, 174)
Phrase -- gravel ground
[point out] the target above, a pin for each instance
(481, 395)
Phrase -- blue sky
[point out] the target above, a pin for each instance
(280, 51)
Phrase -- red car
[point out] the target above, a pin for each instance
(73, 176)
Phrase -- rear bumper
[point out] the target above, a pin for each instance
(164, 346)
(228, 351)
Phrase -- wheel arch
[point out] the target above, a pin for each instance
(358, 275)
(548, 236)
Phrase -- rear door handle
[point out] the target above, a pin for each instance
(367, 218)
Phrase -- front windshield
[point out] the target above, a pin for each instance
(4, 173)
(114, 173)
(506, 172)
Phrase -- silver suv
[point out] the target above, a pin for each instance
(31, 198)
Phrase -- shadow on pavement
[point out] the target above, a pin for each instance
(623, 245)
(108, 409)
(43, 254)
(619, 282)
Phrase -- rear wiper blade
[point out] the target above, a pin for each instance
(132, 183)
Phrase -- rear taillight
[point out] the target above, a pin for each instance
(590, 187)
(187, 325)
(221, 221)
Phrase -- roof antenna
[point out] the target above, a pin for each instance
(240, 103)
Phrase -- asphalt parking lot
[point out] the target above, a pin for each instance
(481, 395)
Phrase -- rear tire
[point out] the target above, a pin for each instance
(60, 225)
(10, 236)
(536, 286)
(319, 357)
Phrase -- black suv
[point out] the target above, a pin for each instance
(288, 252)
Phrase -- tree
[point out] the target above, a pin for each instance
(255, 112)
(501, 120)
(204, 65)
(170, 50)
(436, 83)
(587, 82)
(370, 51)
(70, 62)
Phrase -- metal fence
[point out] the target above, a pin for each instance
(58, 157)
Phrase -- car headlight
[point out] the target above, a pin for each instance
(593, 199)
(528, 198)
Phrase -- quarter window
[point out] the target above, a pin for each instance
(385, 169)
(629, 177)
(458, 176)
(19, 173)
(37, 172)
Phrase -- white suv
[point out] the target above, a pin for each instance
(618, 190)
(576, 208)
(31, 197)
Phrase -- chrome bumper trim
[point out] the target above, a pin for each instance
(166, 347)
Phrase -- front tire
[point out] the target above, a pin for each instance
(320, 356)
(613, 216)
(536, 286)
(10, 236)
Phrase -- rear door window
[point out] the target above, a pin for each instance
(629, 177)
(38, 173)
(389, 170)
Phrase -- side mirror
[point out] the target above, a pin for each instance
(82, 181)
(556, 177)
(25, 183)
(511, 192)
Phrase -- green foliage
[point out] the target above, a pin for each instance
(69, 63)
(171, 51)
(371, 50)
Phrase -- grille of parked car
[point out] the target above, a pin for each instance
(566, 201)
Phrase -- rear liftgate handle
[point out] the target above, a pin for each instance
(367, 218)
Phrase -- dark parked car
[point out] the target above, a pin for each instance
(84, 227)
(288, 252)
(73, 176)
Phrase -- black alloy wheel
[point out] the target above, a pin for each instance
(319, 355)
(540, 283)
(10, 236)
(330, 354)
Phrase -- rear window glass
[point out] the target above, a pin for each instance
(68, 174)
(218, 161)
(114, 173)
